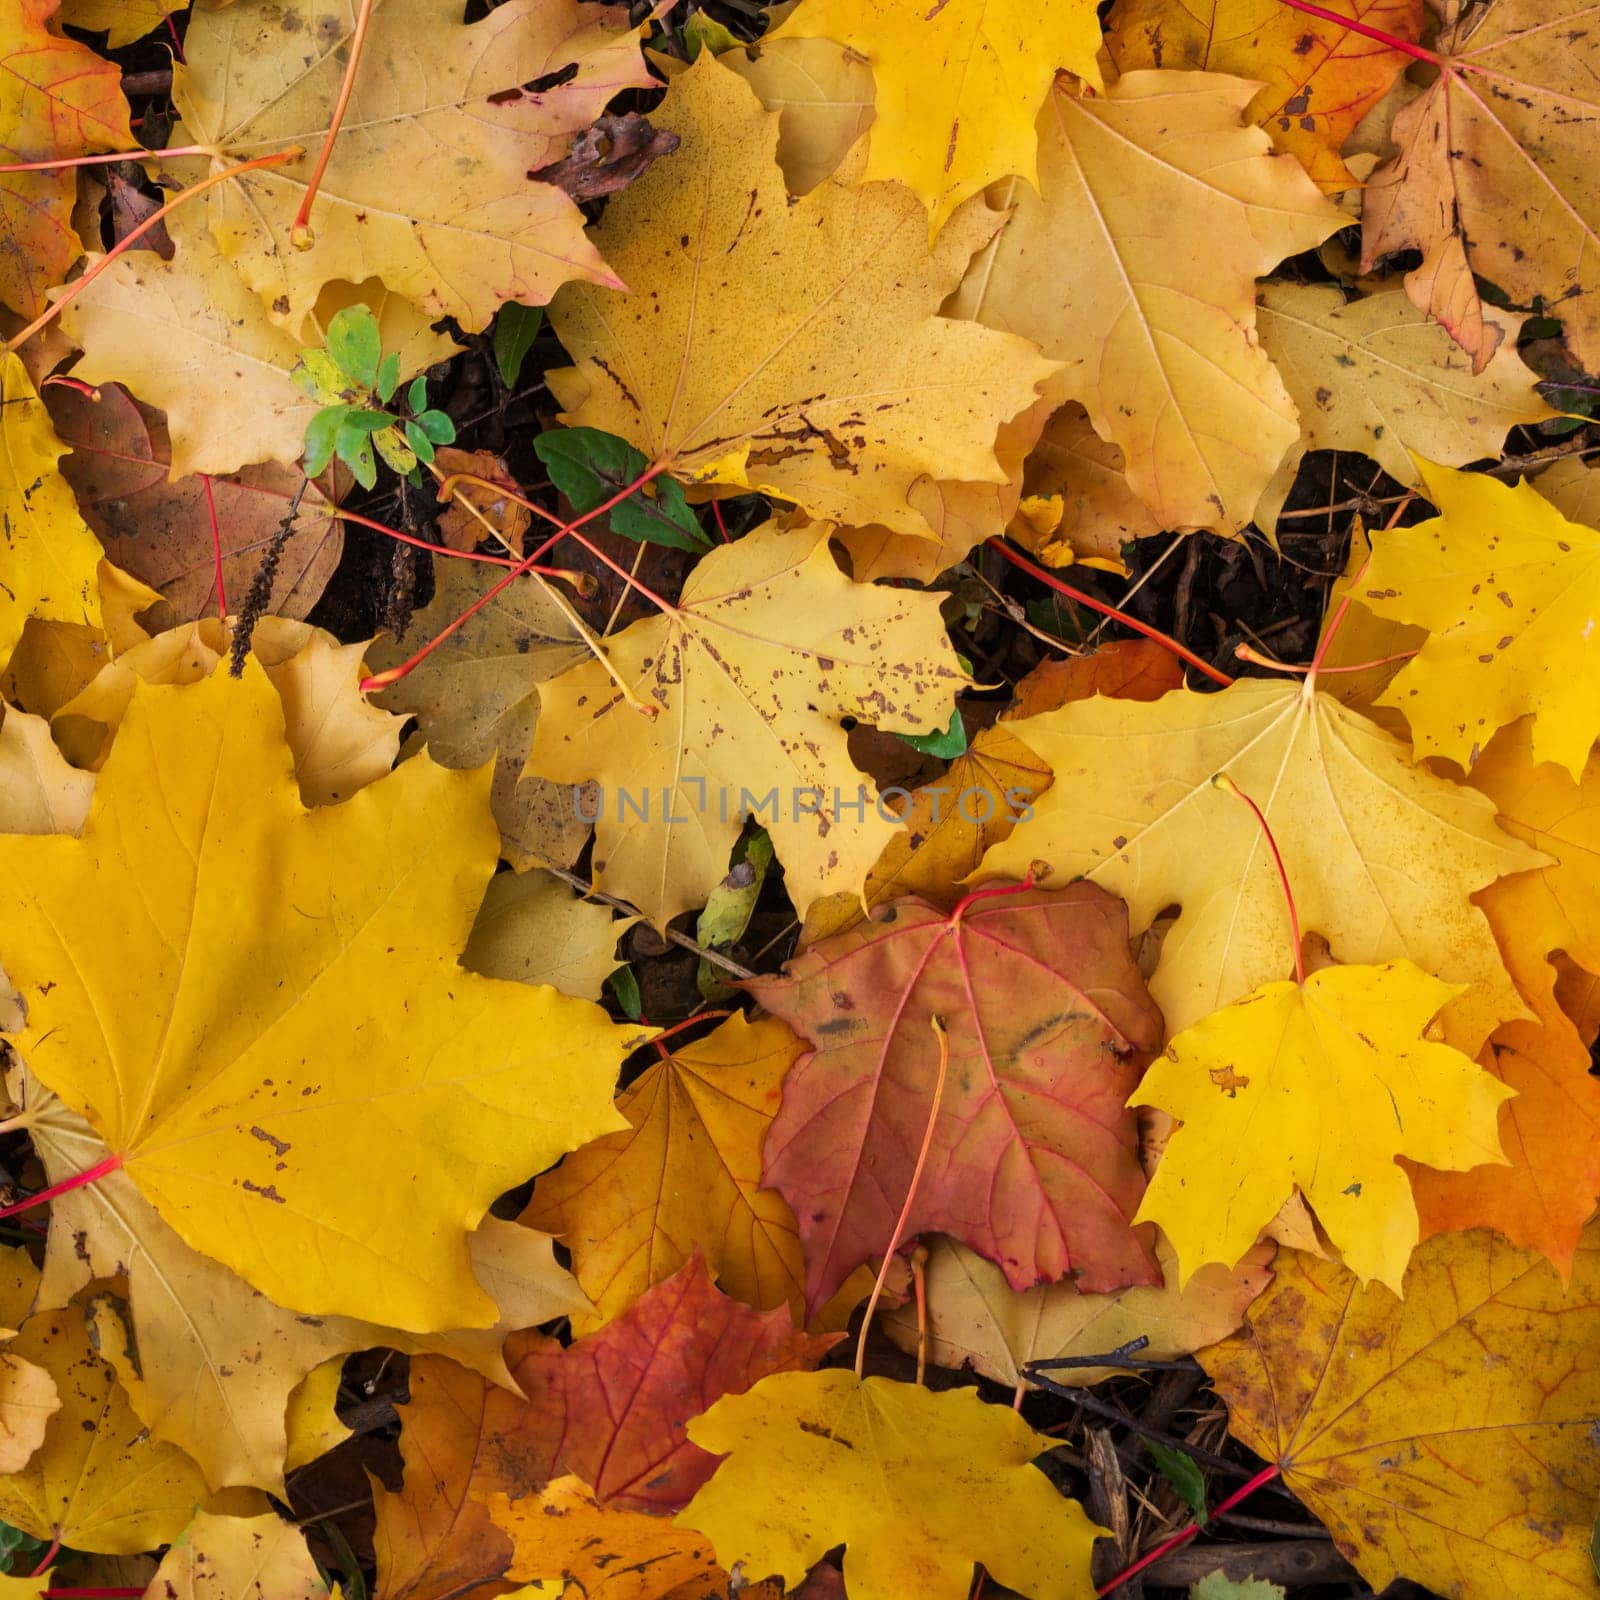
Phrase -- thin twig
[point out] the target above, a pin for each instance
(682, 940)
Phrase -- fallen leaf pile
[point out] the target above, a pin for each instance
(953, 834)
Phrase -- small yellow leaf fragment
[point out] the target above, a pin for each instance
(959, 84)
(51, 557)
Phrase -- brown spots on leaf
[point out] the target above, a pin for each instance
(279, 1146)
(817, 1430)
(1229, 1081)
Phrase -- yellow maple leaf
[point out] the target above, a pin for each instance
(28, 1400)
(748, 675)
(976, 801)
(1074, 469)
(1555, 908)
(1383, 854)
(633, 1207)
(893, 1472)
(217, 1360)
(51, 557)
(221, 980)
(339, 742)
(1375, 375)
(257, 1556)
(1316, 78)
(98, 1482)
(1315, 1087)
(959, 85)
(54, 660)
(959, 515)
(822, 93)
(460, 246)
(836, 388)
(948, 825)
(1509, 591)
(311, 1423)
(1157, 325)
(39, 792)
(1444, 1437)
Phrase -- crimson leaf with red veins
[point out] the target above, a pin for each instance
(1033, 1160)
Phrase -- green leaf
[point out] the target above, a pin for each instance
(354, 343)
(589, 467)
(949, 744)
(1060, 618)
(586, 465)
(417, 394)
(1184, 1475)
(388, 376)
(659, 514)
(625, 989)
(355, 447)
(729, 908)
(394, 450)
(318, 375)
(701, 32)
(322, 439)
(362, 420)
(19, 1551)
(1215, 1586)
(515, 328)
(420, 443)
(438, 427)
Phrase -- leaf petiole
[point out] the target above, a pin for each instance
(1416, 51)
(134, 235)
(1228, 786)
(79, 1180)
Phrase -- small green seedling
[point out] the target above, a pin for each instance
(353, 381)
